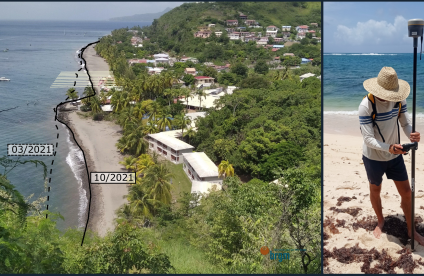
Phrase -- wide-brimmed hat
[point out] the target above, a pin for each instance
(387, 86)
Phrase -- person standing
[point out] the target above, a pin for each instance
(381, 114)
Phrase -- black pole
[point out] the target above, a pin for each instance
(414, 104)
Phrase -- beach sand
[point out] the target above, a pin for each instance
(98, 139)
(345, 176)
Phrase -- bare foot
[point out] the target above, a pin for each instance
(418, 238)
(378, 230)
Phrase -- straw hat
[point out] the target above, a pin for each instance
(387, 86)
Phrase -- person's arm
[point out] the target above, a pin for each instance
(405, 120)
(367, 130)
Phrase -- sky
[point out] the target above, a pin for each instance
(88, 11)
(369, 27)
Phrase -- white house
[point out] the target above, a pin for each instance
(169, 147)
(285, 28)
(271, 33)
(199, 167)
(218, 34)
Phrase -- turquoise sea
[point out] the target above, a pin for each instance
(344, 74)
(38, 52)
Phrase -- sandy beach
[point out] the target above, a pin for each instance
(348, 215)
(98, 139)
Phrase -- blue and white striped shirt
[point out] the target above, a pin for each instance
(374, 148)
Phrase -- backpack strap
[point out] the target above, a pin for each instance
(399, 105)
(371, 98)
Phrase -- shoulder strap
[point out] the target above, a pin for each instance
(398, 104)
(371, 98)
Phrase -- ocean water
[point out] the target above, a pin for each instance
(344, 74)
(38, 52)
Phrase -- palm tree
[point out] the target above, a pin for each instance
(141, 108)
(143, 162)
(135, 142)
(129, 163)
(164, 121)
(186, 93)
(155, 109)
(151, 128)
(126, 117)
(225, 169)
(200, 93)
(72, 93)
(190, 133)
(141, 204)
(182, 121)
(95, 104)
(119, 101)
(156, 180)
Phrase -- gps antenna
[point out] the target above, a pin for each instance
(415, 30)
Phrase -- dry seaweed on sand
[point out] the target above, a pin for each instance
(342, 199)
(351, 211)
(368, 223)
(383, 261)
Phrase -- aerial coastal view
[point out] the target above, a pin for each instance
(186, 136)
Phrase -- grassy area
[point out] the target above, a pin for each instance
(180, 182)
(186, 259)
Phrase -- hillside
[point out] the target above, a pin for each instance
(141, 17)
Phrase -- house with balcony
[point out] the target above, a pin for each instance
(229, 30)
(211, 26)
(234, 36)
(285, 28)
(218, 34)
(204, 80)
(169, 147)
(243, 16)
(232, 22)
(302, 28)
(271, 33)
(199, 167)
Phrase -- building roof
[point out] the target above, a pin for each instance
(203, 186)
(107, 108)
(171, 142)
(231, 20)
(303, 26)
(192, 70)
(278, 46)
(202, 165)
(202, 77)
(289, 54)
(161, 56)
(307, 75)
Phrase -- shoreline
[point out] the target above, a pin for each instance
(97, 139)
(96, 192)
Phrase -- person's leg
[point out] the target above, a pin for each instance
(406, 197)
(375, 171)
(378, 208)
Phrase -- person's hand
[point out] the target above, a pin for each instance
(396, 149)
(415, 137)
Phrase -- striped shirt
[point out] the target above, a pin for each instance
(374, 148)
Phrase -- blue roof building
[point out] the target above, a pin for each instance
(278, 46)
(305, 60)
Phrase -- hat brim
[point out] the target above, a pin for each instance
(395, 95)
